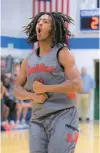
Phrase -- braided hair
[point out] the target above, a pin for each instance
(58, 24)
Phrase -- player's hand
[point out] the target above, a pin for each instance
(39, 98)
(38, 87)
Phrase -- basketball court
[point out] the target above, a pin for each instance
(17, 141)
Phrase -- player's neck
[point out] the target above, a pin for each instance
(45, 46)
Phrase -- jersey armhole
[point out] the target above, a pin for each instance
(58, 57)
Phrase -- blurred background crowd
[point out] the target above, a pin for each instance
(13, 111)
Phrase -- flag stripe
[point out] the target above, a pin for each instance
(67, 7)
(44, 5)
(39, 6)
(36, 8)
(50, 6)
(33, 8)
(67, 11)
(56, 5)
(53, 6)
(59, 6)
(62, 8)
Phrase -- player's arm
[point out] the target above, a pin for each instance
(73, 82)
(19, 91)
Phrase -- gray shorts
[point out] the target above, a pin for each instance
(55, 133)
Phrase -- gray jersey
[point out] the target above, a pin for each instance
(47, 70)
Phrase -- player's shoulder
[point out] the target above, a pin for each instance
(60, 45)
(65, 56)
(29, 56)
(65, 52)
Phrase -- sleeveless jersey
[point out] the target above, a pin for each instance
(47, 70)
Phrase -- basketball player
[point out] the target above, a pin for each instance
(50, 70)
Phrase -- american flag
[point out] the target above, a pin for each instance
(50, 6)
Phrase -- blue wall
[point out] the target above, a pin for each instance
(75, 43)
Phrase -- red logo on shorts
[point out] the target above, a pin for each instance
(71, 138)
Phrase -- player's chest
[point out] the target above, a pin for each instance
(45, 64)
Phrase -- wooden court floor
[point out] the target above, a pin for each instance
(17, 141)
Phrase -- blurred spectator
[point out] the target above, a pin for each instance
(9, 104)
(2, 65)
(10, 100)
(9, 63)
(24, 105)
(85, 95)
(4, 108)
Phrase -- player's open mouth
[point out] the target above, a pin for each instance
(39, 30)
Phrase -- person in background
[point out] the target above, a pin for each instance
(4, 108)
(10, 100)
(24, 105)
(85, 95)
(2, 65)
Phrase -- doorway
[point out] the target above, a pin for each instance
(96, 96)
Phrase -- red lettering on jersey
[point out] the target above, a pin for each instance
(39, 68)
(71, 95)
